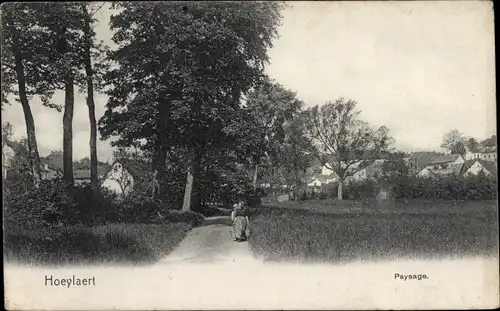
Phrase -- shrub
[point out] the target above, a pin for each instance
(137, 208)
(367, 188)
(51, 204)
(450, 187)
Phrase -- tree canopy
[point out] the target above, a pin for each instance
(343, 143)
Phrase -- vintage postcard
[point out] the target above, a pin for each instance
(250, 155)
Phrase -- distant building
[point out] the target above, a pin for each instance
(373, 170)
(420, 160)
(475, 166)
(425, 173)
(446, 164)
(119, 179)
(320, 180)
(124, 175)
(489, 154)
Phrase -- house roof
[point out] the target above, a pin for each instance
(136, 168)
(490, 150)
(55, 162)
(322, 179)
(490, 166)
(426, 170)
(423, 158)
(445, 158)
(85, 174)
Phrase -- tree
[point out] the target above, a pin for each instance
(88, 44)
(343, 143)
(19, 42)
(459, 148)
(453, 141)
(395, 165)
(182, 69)
(295, 157)
(473, 145)
(19, 181)
(271, 107)
(489, 142)
(92, 52)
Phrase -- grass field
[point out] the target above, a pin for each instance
(327, 231)
(112, 243)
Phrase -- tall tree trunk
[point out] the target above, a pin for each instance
(255, 175)
(34, 158)
(186, 204)
(191, 198)
(90, 103)
(69, 103)
(340, 189)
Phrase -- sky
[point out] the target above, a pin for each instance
(418, 68)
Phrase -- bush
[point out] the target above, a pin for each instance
(450, 187)
(51, 204)
(142, 209)
(356, 190)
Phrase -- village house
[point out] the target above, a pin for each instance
(445, 165)
(419, 160)
(118, 179)
(51, 166)
(488, 154)
(373, 170)
(320, 180)
(475, 166)
(327, 175)
(123, 175)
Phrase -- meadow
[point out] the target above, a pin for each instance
(339, 232)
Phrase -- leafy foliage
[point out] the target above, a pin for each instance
(343, 143)
(454, 141)
(181, 71)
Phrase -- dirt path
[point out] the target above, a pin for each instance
(210, 243)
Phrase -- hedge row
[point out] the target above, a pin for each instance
(451, 187)
(53, 204)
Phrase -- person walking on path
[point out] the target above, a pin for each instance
(241, 224)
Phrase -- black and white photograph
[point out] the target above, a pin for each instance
(253, 155)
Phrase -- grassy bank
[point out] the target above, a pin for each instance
(342, 232)
(112, 243)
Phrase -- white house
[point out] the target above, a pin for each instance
(372, 170)
(475, 166)
(326, 171)
(119, 179)
(320, 180)
(445, 164)
(425, 173)
(489, 154)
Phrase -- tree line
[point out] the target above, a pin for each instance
(186, 88)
